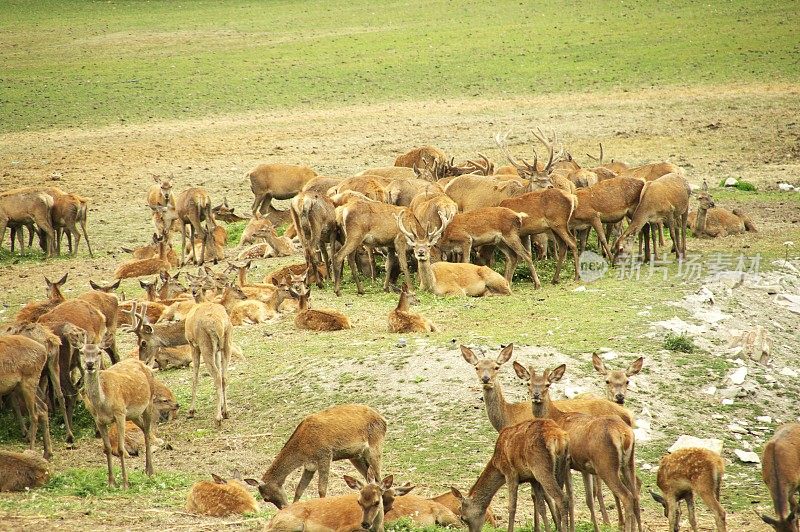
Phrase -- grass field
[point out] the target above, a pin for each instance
(106, 94)
(94, 63)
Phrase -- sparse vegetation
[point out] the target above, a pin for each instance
(679, 342)
(742, 185)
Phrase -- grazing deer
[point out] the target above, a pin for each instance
(22, 471)
(314, 215)
(447, 279)
(69, 211)
(599, 445)
(664, 200)
(28, 206)
(122, 392)
(314, 319)
(535, 452)
(372, 187)
(403, 321)
(490, 225)
(351, 431)
(33, 310)
(449, 501)
(402, 191)
(220, 498)
(22, 361)
(684, 473)
(364, 511)
(780, 470)
(150, 266)
(716, 222)
(278, 181)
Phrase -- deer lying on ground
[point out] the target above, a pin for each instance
(391, 172)
(351, 431)
(214, 243)
(272, 296)
(314, 319)
(603, 446)
(151, 250)
(220, 498)
(420, 157)
(780, 470)
(683, 474)
(343, 513)
(122, 392)
(535, 452)
(33, 310)
(225, 213)
(448, 279)
(256, 223)
(150, 266)
(717, 222)
(209, 330)
(403, 321)
(27, 206)
(69, 211)
(152, 338)
(278, 181)
(22, 471)
(490, 225)
(665, 200)
(22, 361)
(321, 184)
(314, 215)
(134, 440)
(421, 511)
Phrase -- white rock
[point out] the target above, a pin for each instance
(677, 325)
(727, 402)
(580, 289)
(738, 376)
(710, 315)
(684, 441)
(604, 350)
(731, 182)
(641, 435)
(711, 390)
(733, 427)
(748, 457)
(643, 424)
(572, 391)
(786, 265)
(785, 187)
(789, 372)
(646, 466)
(764, 419)
(609, 355)
(717, 416)
(790, 301)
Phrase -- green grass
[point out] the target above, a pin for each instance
(77, 63)
(679, 342)
(744, 186)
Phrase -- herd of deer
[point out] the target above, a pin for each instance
(443, 215)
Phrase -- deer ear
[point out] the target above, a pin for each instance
(557, 373)
(353, 483)
(521, 371)
(597, 362)
(635, 367)
(252, 482)
(767, 519)
(218, 479)
(62, 280)
(468, 355)
(399, 491)
(505, 354)
(387, 482)
(457, 494)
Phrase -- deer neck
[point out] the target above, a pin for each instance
(171, 334)
(151, 292)
(377, 524)
(285, 462)
(427, 279)
(162, 249)
(484, 489)
(56, 295)
(228, 300)
(700, 222)
(402, 305)
(497, 408)
(547, 410)
(93, 389)
(242, 277)
(302, 302)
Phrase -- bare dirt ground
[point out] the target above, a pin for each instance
(748, 132)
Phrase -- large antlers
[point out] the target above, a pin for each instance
(526, 167)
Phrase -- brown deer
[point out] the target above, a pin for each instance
(780, 470)
(652, 171)
(214, 243)
(22, 361)
(343, 513)
(683, 474)
(278, 181)
(225, 213)
(220, 498)
(22, 471)
(433, 210)
(208, 331)
(617, 380)
(421, 156)
(548, 210)
(535, 452)
(255, 223)
(152, 338)
(134, 440)
(104, 300)
(122, 392)
(664, 200)
(161, 192)
(321, 184)
(391, 172)
(353, 432)
(372, 187)
(314, 319)
(314, 215)
(27, 206)
(421, 512)
(490, 225)
(449, 501)
(448, 279)
(717, 222)
(536, 173)
(403, 321)
(192, 208)
(141, 267)
(617, 167)
(69, 211)
(471, 192)
(33, 310)
(151, 250)
(603, 446)
(401, 191)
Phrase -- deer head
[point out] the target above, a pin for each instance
(421, 244)
(538, 176)
(617, 380)
(370, 497)
(487, 368)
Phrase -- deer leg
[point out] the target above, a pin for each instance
(515, 243)
(373, 459)
(183, 244)
(539, 511)
(561, 252)
(611, 476)
(324, 468)
(145, 424)
(402, 256)
(554, 496)
(343, 252)
(44, 418)
(712, 501)
(103, 430)
(305, 480)
(86, 237)
(601, 237)
(195, 377)
(589, 492)
(673, 513)
(361, 465)
(598, 494)
(28, 391)
(217, 377)
(513, 487)
(223, 360)
(265, 203)
(123, 452)
(23, 426)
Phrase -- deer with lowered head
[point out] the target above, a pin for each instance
(69, 212)
(449, 279)
(372, 187)
(314, 319)
(276, 181)
(122, 392)
(27, 206)
(420, 157)
(22, 471)
(603, 446)
(402, 191)
(345, 513)
(225, 213)
(314, 216)
(344, 432)
(401, 320)
(780, 470)
(683, 474)
(717, 222)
